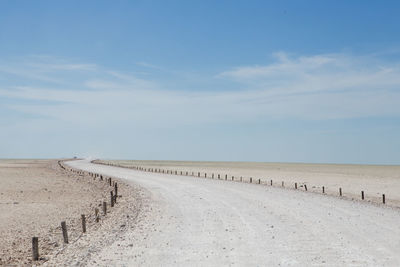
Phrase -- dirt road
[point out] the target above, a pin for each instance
(198, 221)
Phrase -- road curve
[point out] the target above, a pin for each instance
(198, 221)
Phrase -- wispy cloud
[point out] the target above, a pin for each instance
(318, 73)
(149, 65)
(43, 67)
(322, 86)
(317, 87)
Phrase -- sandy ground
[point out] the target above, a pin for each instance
(35, 196)
(374, 180)
(203, 222)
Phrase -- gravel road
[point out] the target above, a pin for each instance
(198, 221)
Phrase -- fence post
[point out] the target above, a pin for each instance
(323, 189)
(362, 195)
(104, 207)
(83, 223)
(283, 184)
(112, 198)
(116, 189)
(35, 248)
(64, 231)
(96, 213)
(295, 185)
(305, 187)
(383, 199)
(251, 179)
(340, 191)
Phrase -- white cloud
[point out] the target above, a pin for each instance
(318, 87)
(318, 73)
(322, 86)
(45, 67)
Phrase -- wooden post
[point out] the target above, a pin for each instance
(233, 178)
(116, 189)
(35, 248)
(104, 208)
(241, 178)
(112, 199)
(305, 187)
(259, 181)
(198, 174)
(83, 223)
(109, 180)
(362, 195)
(340, 191)
(219, 176)
(212, 175)
(186, 173)
(323, 189)
(271, 182)
(251, 179)
(383, 199)
(295, 185)
(283, 184)
(205, 175)
(96, 213)
(226, 176)
(64, 231)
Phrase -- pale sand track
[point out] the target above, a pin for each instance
(374, 180)
(197, 221)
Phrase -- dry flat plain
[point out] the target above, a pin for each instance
(177, 220)
(35, 196)
(374, 180)
(207, 222)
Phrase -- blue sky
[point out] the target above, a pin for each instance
(287, 81)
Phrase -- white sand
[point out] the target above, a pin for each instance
(374, 180)
(193, 222)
